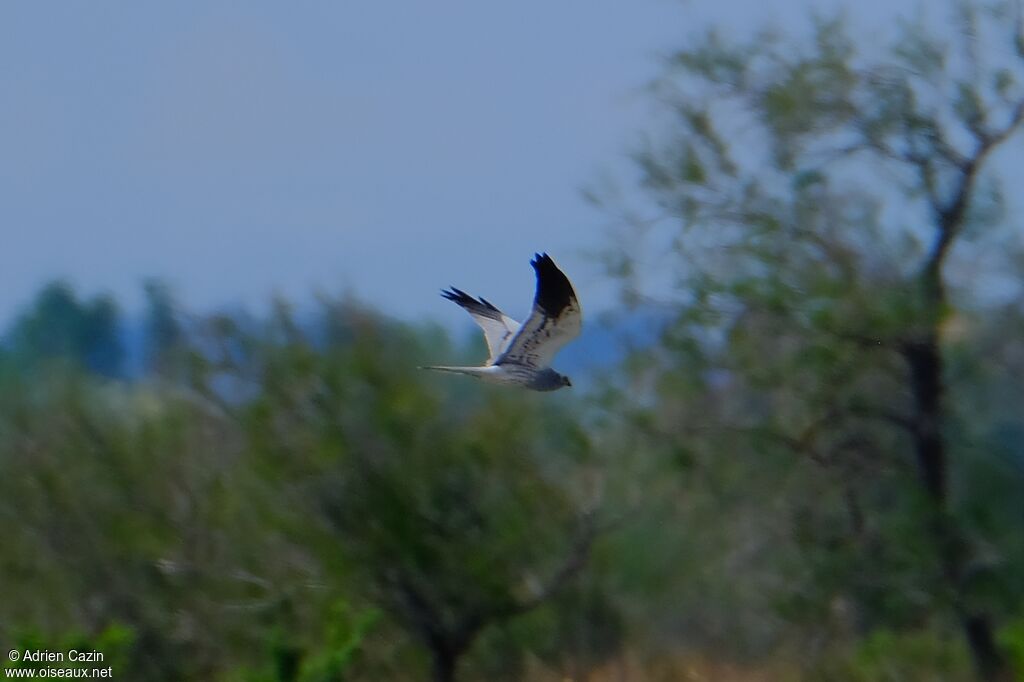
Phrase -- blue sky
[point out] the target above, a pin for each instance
(240, 149)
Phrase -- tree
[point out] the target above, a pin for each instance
(453, 513)
(812, 199)
(59, 326)
(302, 497)
(163, 332)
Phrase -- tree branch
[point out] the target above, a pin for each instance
(572, 564)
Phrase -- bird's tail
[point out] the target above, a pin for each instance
(471, 371)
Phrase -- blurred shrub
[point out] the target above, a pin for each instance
(888, 656)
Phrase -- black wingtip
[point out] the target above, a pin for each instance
(488, 304)
(554, 291)
(473, 305)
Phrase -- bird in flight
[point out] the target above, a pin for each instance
(521, 354)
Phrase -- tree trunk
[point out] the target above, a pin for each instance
(446, 650)
(926, 379)
(925, 362)
(443, 664)
(988, 660)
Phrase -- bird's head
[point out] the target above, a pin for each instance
(566, 381)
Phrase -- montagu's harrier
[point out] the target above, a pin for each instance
(521, 355)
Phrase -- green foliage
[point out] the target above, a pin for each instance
(886, 656)
(812, 196)
(1011, 637)
(114, 642)
(336, 660)
(272, 517)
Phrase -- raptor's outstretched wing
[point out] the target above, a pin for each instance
(555, 321)
(499, 328)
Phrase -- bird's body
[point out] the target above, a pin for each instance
(545, 379)
(521, 354)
